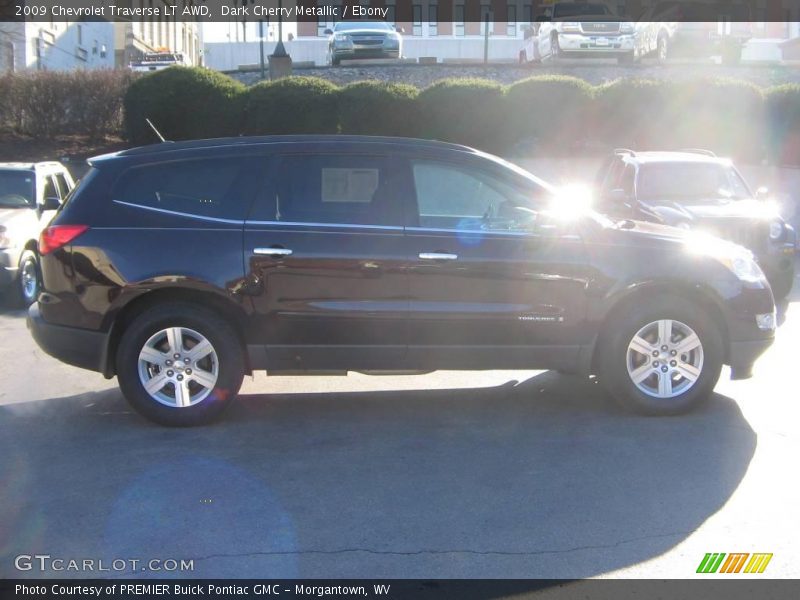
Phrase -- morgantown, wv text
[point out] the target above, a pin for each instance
(198, 590)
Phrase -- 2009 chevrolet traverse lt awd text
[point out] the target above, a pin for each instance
(180, 267)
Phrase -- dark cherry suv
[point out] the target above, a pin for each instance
(181, 267)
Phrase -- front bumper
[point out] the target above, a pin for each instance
(8, 266)
(743, 355)
(353, 53)
(78, 347)
(596, 44)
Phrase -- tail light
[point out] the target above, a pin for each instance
(56, 236)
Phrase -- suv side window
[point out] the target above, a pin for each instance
(63, 186)
(453, 197)
(50, 188)
(628, 179)
(333, 189)
(202, 187)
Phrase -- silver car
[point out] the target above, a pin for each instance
(363, 39)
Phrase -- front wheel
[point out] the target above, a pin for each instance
(180, 365)
(661, 358)
(29, 281)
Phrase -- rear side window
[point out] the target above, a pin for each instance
(332, 189)
(203, 187)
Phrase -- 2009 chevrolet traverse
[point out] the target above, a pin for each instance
(181, 267)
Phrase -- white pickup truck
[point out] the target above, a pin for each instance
(30, 194)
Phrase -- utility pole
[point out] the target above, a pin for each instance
(486, 38)
(261, 47)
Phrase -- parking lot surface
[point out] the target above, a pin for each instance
(483, 474)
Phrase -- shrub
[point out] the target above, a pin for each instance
(552, 110)
(291, 105)
(464, 111)
(183, 103)
(378, 108)
(782, 107)
(723, 115)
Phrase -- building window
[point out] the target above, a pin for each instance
(95, 47)
(511, 25)
(80, 35)
(433, 19)
(458, 19)
(416, 25)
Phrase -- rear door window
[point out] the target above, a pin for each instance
(332, 189)
(199, 187)
(50, 188)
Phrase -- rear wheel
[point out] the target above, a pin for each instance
(662, 358)
(180, 365)
(29, 281)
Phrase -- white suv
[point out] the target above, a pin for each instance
(30, 193)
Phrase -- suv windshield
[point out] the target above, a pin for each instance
(691, 181)
(352, 25)
(17, 189)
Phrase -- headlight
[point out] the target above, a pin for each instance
(626, 27)
(776, 230)
(744, 267)
(570, 26)
(341, 37)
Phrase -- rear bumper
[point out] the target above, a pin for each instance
(78, 347)
(743, 355)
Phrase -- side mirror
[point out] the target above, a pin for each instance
(762, 193)
(51, 203)
(329, 31)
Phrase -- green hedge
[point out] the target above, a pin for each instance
(183, 103)
(782, 107)
(556, 113)
(291, 105)
(550, 110)
(464, 111)
(378, 108)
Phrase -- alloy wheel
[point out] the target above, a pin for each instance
(178, 367)
(665, 358)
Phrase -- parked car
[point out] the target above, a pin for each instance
(158, 61)
(182, 266)
(702, 29)
(30, 193)
(696, 190)
(591, 29)
(363, 39)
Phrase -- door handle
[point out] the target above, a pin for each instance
(437, 256)
(272, 251)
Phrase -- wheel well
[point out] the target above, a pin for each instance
(694, 295)
(224, 308)
(32, 245)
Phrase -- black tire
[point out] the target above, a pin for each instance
(613, 356)
(29, 279)
(224, 341)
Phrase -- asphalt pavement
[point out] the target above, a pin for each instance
(482, 474)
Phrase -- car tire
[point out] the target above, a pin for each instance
(683, 373)
(29, 279)
(555, 49)
(190, 359)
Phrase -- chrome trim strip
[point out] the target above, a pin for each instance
(437, 256)
(568, 236)
(334, 225)
(179, 214)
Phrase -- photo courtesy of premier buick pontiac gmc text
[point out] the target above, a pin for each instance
(181, 267)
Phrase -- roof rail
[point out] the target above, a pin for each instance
(698, 151)
(624, 151)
